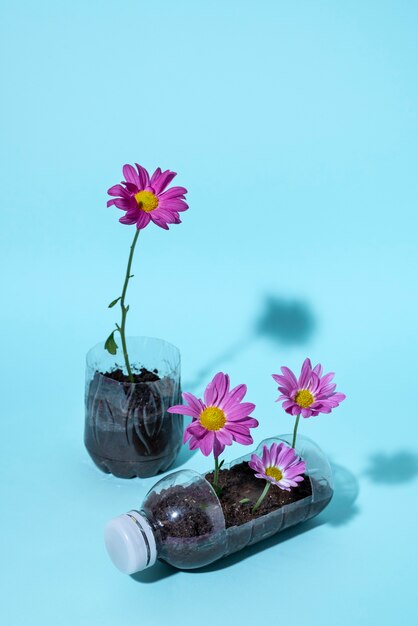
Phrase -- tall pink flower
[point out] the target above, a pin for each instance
(310, 394)
(218, 420)
(146, 198)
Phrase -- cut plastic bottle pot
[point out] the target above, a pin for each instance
(165, 525)
(128, 431)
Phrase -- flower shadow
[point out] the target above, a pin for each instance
(393, 468)
(284, 321)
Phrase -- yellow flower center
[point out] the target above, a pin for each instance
(274, 472)
(304, 398)
(146, 201)
(212, 418)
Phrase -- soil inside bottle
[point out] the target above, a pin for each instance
(236, 483)
(128, 432)
(239, 483)
(141, 376)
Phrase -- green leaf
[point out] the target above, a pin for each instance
(221, 463)
(110, 344)
(244, 500)
(114, 302)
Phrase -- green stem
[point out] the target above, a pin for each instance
(263, 495)
(295, 430)
(216, 472)
(125, 309)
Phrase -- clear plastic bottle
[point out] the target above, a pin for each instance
(181, 520)
(128, 431)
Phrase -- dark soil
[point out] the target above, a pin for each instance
(189, 503)
(142, 376)
(128, 431)
(239, 482)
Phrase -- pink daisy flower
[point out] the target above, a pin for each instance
(146, 198)
(218, 420)
(279, 465)
(310, 394)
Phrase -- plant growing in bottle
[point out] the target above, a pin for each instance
(190, 519)
(218, 420)
(132, 381)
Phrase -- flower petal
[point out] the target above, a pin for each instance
(224, 436)
(240, 411)
(122, 203)
(318, 370)
(206, 443)
(289, 375)
(130, 174)
(235, 395)
(159, 181)
(127, 219)
(183, 409)
(221, 382)
(143, 220)
(173, 192)
(158, 222)
(194, 402)
(143, 176)
(285, 383)
(118, 190)
(305, 374)
(196, 429)
(218, 447)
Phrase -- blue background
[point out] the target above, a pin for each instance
(294, 127)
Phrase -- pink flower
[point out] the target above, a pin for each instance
(310, 394)
(218, 421)
(144, 199)
(279, 465)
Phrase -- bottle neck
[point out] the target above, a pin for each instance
(130, 542)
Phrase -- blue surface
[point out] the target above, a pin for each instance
(294, 127)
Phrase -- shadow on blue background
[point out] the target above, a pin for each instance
(183, 456)
(393, 469)
(285, 321)
(282, 320)
(341, 510)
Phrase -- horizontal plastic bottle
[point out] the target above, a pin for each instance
(181, 520)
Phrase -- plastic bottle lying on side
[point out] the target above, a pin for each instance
(182, 522)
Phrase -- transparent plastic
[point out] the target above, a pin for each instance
(185, 500)
(128, 431)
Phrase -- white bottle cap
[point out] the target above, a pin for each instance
(130, 542)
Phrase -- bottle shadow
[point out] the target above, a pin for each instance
(342, 508)
(283, 321)
(157, 572)
(340, 511)
(266, 544)
(393, 468)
